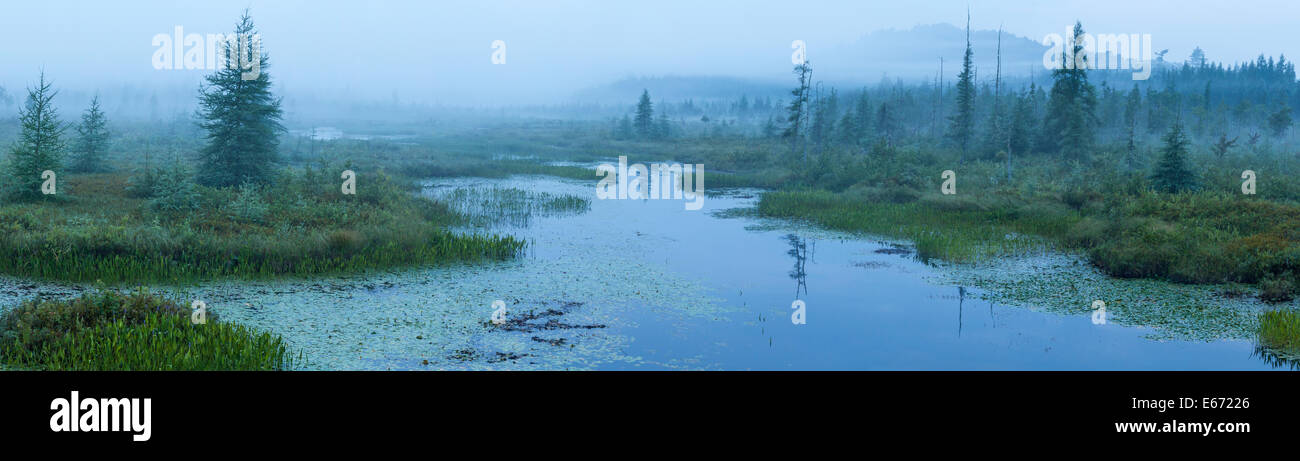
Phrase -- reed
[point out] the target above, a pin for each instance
(1279, 331)
(138, 331)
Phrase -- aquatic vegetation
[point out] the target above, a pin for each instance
(1280, 331)
(962, 232)
(491, 206)
(137, 331)
(1066, 284)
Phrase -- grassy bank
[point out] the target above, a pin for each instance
(139, 331)
(1127, 231)
(954, 230)
(101, 227)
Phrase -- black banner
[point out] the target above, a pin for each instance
(231, 410)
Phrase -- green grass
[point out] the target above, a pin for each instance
(139, 331)
(1280, 332)
(299, 225)
(942, 227)
(1130, 232)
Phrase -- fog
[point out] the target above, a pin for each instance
(557, 52)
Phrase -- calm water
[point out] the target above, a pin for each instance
(865, 309)
(648, 285)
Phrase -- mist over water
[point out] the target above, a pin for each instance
(331, 54)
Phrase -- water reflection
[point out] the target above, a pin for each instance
(799, 250)
(1272, 358)
(961, 298)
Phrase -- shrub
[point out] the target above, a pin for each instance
(174, 192)
(344, 241)
(248, 205)
(1276, 290)
(141, 182)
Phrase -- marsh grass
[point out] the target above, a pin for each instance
(1204, 237)
(493, 206)
(1279, 331)
(137, 331)
(957, 233)
(307, 227)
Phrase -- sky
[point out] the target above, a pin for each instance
(438, 52)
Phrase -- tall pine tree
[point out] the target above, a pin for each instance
(1070, 120)
(240, 115)
(963, 122)
(40, 145)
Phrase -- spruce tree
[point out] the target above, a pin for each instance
(1279, 121)
(240, 115)
(92, 139)
(625, 130)
(963, 122)
(663, 128)
(40, 146)
(863, 117)
(1068, 125)
(645, 116)
(1022, 125)
(848, 130)
(1172, 173)
(886, 125)
(797, 111)
(997, 136)
(1132, 161)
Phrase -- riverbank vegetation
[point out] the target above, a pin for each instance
(139, 331)
(107, 228)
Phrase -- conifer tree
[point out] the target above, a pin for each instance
(40, 145)
(1280, 120)
(240, 115)
(797, 111)
(1131, 159)
(92, 139)
(963, 122)
(1172, 173)
(644, 121)
(863, 117)
(1070, 120)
